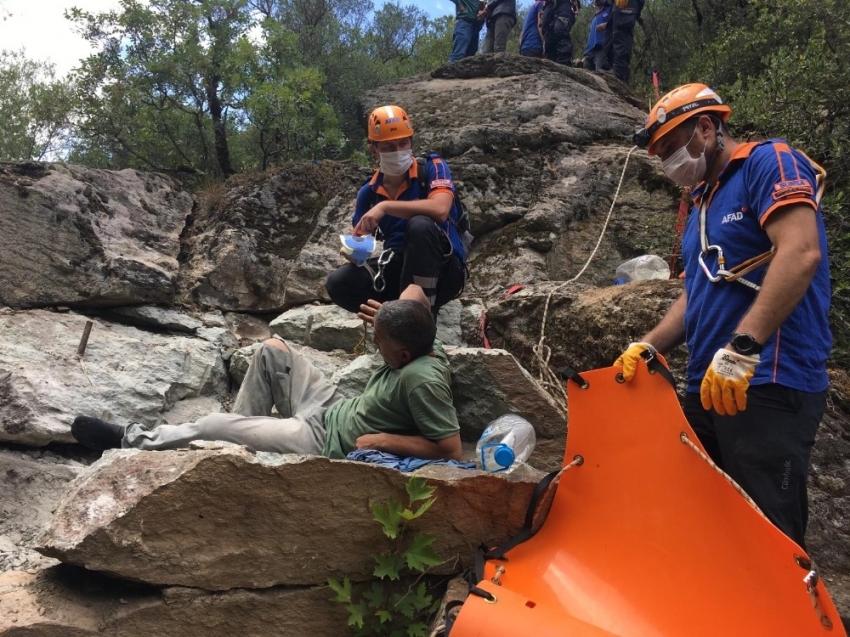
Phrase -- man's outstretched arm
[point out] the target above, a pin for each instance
(412, 446)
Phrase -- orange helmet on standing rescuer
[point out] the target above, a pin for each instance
(677, 106)
(389, 122)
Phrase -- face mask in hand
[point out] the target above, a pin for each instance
(396, 163)
(684, 169)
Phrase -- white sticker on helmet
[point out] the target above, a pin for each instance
(707, 92)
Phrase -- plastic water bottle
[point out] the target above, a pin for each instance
(505, 444)
(642, 268)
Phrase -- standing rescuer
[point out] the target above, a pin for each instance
(758, 337)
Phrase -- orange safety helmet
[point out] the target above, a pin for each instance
(679, 105)
(389, 122)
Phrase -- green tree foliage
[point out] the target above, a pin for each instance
(188, 86)
(34, 109)
(357, 47)
(220, 86)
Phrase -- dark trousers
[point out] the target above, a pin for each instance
(766, 449)
(532, 53)
(559, 43)
(498, 30)
(597, 60)
(620, 42)
(427, 259)
(464, 39)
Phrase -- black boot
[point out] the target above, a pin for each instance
(97, 434)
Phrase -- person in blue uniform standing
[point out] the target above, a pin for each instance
(595, 55)
(758, 339)
(531, 38)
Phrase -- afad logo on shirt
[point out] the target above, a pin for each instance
(735, 216)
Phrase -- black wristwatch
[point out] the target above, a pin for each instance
(746, 344)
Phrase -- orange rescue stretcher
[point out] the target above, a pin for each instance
(646, 538)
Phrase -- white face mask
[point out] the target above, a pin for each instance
(397, 163)
(684, 169)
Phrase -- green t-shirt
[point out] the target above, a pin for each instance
(415, 400)
(466, 9)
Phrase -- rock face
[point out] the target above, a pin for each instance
(489, 383)
(32, 483)
(262, 520)
(96, 238)
(323, 327)
(263, 244)
(66, 602)
(538, 166)
(586, 327)
(126, 374)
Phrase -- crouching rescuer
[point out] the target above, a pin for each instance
(411, 205)
(754, 311)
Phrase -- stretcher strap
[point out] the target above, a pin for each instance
(657, 367)
(550, 480)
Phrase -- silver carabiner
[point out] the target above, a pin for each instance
(379, 283)
(721, 262)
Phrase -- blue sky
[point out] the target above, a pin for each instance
(436, 8)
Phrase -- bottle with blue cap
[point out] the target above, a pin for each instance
(506, 443)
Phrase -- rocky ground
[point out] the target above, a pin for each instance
(179, 288)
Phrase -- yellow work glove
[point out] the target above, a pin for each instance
(726, 382)
(629, 359)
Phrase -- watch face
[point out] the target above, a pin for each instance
(745, 344)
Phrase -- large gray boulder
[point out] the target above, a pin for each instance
(322, 327)
(586, 327)
(265, 243)
(67, 602)
(538, 166)
(220, 519)
(33, 481)
(91, 238)
(126, 374)
(487, 383)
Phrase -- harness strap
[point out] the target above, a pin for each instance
(747, 266)
(736, 273)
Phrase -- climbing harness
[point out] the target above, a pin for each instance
(734, 274)
(737, 273)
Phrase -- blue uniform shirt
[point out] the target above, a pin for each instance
(759, 179)
(530, 36)
(595, 39)
(439, 179)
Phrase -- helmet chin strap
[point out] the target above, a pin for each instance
(718, 150)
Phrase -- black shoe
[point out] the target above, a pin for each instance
(97, 434)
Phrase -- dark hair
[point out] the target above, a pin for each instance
(719, 124)
(410, 324)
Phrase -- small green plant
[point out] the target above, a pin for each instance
(398, 603)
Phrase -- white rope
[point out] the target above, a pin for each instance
(686, 440)
(548, 379)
